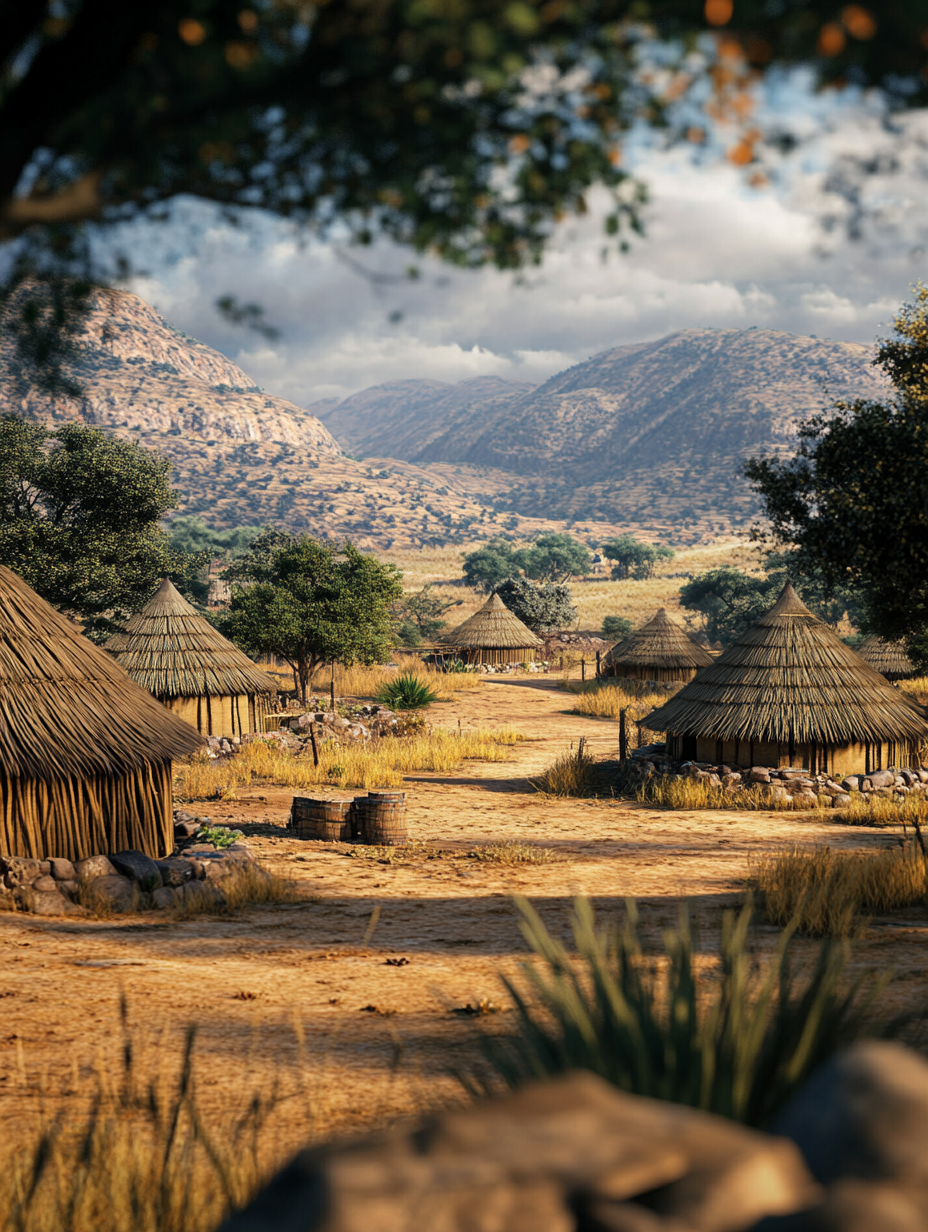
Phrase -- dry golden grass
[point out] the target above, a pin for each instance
(829, 893)
(359, 681)
(916, 689)
(574, 773)
(882, 812)
(381, 763)
(668, 791)
(247, 885)
(514, 852)
(604, 699)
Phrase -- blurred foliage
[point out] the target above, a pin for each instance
(634, 559)
(617, 627)
(551, 558)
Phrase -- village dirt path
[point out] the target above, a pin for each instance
(257, 984)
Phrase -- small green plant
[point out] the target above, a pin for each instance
(219, 836)
(336, 771)
(737, 1041)
(407, 692)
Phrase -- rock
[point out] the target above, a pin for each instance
(215, 870)
(200, 891)
(242, 850)
(7, 899)
(569, 1153)
(139, 867)
(19, 871)
(805, 800)
(758, 774)
(163, 898)
(70, 888)
(864, 1114)
(45, 885)
(882, 778)
(777, 794)
(175, 870)
(862, 1206)
(192, 850)
(45, 902)
(213, 744)
(62, 870)
(116, 892)
(841, 801)
(92, 867)
(185, 829)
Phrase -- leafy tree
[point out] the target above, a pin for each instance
(423, 610)
(487, 567)
(191, 534)
(852, 503)
(312, 603)
(407, 634)
(540, 605)
(729, 600)
(617, 627)
(634, 559)
(79, 519)
(554, 558)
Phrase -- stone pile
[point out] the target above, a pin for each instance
(217, 746)
(126, 881)
(788, 786)
(507, 669)
(573, 1154)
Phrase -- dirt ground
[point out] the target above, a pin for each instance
(307, 996)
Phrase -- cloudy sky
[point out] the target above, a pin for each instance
(717, 253)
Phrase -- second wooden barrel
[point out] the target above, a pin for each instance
(381, 818)
(321, 818)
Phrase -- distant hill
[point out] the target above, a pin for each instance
(656, 430)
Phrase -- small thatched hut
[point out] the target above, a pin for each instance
(493, 635)
(789, 692)
(85, 754)
(178, 656)
(660, 650)
(887, 658)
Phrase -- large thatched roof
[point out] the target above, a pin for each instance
(887, 658)
(66, 708)
(493, 627)
(790, 677)
(659, 643)
(174, 652)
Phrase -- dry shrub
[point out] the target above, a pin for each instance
(916, 690)
(911, 811)
(575, 773)
(669, 791)
(604, 699)
(379, 763)
(247, 885)
(514, 852)
(828, 893)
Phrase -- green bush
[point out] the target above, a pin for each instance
(617, 627)
(219, 836)
(737, 1042)
(407, 692)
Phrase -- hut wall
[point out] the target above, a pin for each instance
(220, 716)
(494, 654)
(837, 760)
(76, 818)
(661, 675)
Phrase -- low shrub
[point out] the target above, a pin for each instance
(737, 1041)
(575, 773)
(828, 893)
(673, 792)
(912, 811)
(407, 692)
(512, 851)
(220, 836)
(247, 885)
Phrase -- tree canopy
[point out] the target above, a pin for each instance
(487, 567)
(634, 559)
(312, 603)
(554, 558)
(80, 519)
(541, 606)
(852, 504)
(423, 609)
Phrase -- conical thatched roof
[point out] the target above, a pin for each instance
(659, 643)
(493, 627)
(174, 652)
(887, 658)
(790, 677)
(116, 642)
(66, 708)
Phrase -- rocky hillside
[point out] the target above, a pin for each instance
(656, 430)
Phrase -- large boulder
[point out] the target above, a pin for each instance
(62, 870)
(175, 871)
(116, 892)
(570, 1153)
(138, 867)
(94, 866)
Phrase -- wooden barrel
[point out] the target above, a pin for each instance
(321, 818)
(381, 818)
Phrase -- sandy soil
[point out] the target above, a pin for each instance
(378, 1038)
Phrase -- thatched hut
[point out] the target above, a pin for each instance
(660, 650)
(887, 658)
(85, 754)
(493, 635)
(789, 692)
(177, 655)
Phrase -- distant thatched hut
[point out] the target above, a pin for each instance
(178, 656)
(493, 635)
(660, 650)
(887, 658)
(85, 754)
(789, 692)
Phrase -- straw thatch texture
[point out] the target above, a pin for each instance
(175, 653)
(493, 635)
(887, 658)
(789, 683)
(660, 650)
(116, 642)
(84, 753)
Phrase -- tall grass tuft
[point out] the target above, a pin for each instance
(605, 699)
(381, 763)
(911, 811)
(828, 893)
(574, 773)
(737, 1043)
(672, 792)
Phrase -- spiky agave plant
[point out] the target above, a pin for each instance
(407, 692)
(738, 1042)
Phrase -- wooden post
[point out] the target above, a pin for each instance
(312, 741)
(582, 670)
(598, 655)
(623, 736)
(332, 687)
